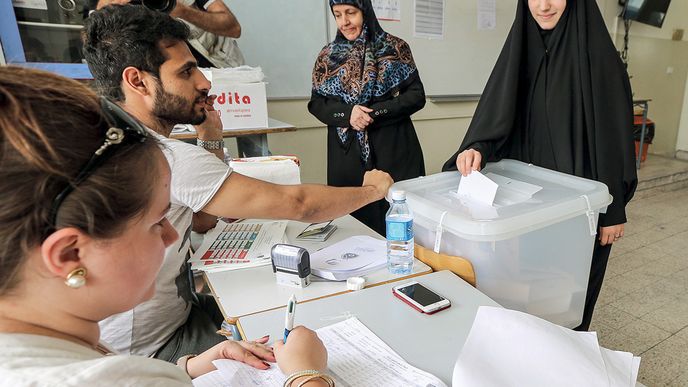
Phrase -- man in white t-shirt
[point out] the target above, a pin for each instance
(139, 59)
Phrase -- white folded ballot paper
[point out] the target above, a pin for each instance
(509, 348)
(483, 194)
(477, 187)
(495, 190)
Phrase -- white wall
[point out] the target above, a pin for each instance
(610, 10)
(658, 68)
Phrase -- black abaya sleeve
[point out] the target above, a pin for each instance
(410, 100)
(330, 111)
(613, 140)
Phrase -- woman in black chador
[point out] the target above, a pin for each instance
(559, 97)
(365, 88)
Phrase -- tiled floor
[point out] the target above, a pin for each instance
(643, 306)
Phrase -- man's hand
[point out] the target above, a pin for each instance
(611, 234)
(378, 179)
(105, 3)
(468, 161)
(360, 118)
(211, 128)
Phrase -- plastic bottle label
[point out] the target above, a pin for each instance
(399, 231)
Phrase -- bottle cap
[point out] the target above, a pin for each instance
(399, 195)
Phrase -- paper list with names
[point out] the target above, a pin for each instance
(356, 357)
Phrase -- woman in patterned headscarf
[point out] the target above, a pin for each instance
(365, 88)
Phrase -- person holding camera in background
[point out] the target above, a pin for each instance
(214, 28)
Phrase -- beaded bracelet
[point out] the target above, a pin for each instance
(313, 373)
(326, 378)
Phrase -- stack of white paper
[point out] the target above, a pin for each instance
(354, 256)
(510, 348)
(274, 169)
(356, 357)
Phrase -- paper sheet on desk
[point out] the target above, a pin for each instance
(356, 357)
(509, 348)
(353, 256)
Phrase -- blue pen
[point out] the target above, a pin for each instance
(289, 317)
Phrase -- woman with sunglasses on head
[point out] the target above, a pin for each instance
(83, 232)
(559, 97)
(365, 88)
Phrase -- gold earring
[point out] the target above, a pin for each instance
(76, 279)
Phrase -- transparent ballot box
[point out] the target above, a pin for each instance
(531, 249)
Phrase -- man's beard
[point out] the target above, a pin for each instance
(171, 109)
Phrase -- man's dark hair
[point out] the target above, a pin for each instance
(119, 36)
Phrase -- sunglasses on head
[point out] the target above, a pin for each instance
(122, 129)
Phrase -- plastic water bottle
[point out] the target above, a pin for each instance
(399, 221)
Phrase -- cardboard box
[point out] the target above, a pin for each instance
(241, 105)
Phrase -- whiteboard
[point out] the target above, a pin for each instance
(285, 36)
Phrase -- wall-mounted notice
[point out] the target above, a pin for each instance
(428, 19)
(387, 10)
(487, 14)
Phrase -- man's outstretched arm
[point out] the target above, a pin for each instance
(244, 197)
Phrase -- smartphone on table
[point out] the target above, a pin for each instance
(421, 298)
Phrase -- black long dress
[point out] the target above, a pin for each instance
(394, 145)
(561, 99)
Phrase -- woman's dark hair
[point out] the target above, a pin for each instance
(119, 36)
(50, 127)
